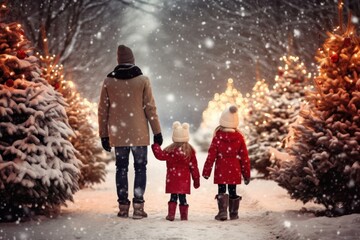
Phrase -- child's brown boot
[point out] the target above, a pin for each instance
(223, 203)
(234, 207)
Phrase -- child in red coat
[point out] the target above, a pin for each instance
(181, 164)
(229, 153)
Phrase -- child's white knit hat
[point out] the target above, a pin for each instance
(180, 132)
(229, 117)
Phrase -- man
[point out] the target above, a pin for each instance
(126, 108)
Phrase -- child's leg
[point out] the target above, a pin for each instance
(182, 199)
(232, 191)
(184, 207)
(221, 188)
(172, 204)
(173, 197)
(234, 202)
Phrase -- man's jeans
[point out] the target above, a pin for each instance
(122, 163)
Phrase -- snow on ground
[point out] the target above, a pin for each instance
(266, 212)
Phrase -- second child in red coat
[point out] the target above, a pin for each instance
(229, 154)
(181, 164)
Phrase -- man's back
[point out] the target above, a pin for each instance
(130, 106)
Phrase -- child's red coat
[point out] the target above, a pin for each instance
(229, 153)
(179, 169)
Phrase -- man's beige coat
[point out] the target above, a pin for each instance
(126, 108)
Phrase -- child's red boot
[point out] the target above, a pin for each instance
(184, 212)
(171, 211)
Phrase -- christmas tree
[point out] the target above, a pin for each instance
(211, 115)
(38, 166)
(81, 116)
(259, 108)
(285, 99)
(82, 120)
(326, 141)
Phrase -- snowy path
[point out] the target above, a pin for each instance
(266, 212)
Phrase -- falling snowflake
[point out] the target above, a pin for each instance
(355, 19)
(227, 63)
(297, 33)
(170, 97)
(23, 235)
(138, 192)
(98, 35)
(287, 224)
(209, 43)
(113, 129)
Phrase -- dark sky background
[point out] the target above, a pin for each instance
(189, 48)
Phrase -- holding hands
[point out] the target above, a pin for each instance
(158, 138)
(106, 144)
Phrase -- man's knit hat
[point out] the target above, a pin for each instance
(125, 55)
(229, 117)
(180, 132)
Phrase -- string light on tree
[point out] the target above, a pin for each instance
(81, 115)
(258, 107)
(326, 148)
(38, 167)
(280, 109)
(210, 116)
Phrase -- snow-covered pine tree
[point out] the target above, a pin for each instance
(81, 118)
(259, 108)
(326, 141)
(38, 166)
(81, 114)
(286, 96)
(211, 115)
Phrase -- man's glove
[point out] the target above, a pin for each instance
(196, 183)
(158, 138)
(247, 181)
(105, 144)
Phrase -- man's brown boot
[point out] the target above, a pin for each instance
(139, 212)
(124, 210)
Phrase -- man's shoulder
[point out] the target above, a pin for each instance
(107, 81)
(143, 77)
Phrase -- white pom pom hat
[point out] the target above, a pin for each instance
(180, 132)
(229, 117)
